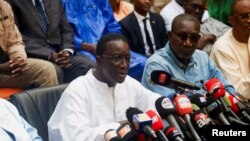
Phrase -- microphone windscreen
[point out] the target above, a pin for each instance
(199, 100)
(183, 104)
(164, 106)
(214, 108)
(200, 121)
(160, 77)
(171, 132)
(233, 101)
(215, 88)
(130, 112)
(157, 123)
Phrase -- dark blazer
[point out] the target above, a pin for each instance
(59, 35)
(131, 30)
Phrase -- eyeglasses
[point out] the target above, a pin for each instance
(184, 36)
(118, 58)
(198, 7)
(244, 16)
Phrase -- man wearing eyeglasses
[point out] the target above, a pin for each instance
(97, 102)
(231, 52)
(181, 59)
(211, 29)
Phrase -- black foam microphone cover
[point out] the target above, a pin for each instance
(214, 107)
(164, 106)
(199, 100)
(130, 112)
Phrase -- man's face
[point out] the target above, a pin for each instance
(115, 62)
(142, 6)
(183, 40)
(195, 8)
(240, 19)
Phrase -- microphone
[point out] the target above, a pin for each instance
(184, 108)
(141, 121)
(233, 102)
(126, 132)
(166, 110)
(200, 121)
(214, 110)
(215, 88)
(229, 105)
(173, 134)
(157, 125)
(111, 135)
(199, 100)
(238, 107)
(195, 107)
(164, 79)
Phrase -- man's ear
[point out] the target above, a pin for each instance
(231, 20)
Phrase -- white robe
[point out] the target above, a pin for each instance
(88, 108)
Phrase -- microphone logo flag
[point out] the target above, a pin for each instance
(184, 102)
(162, 78)
(203, 99)
(211, 107)
(167, 103)
(201, 119)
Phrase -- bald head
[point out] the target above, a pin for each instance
(183, 17)
(235, 5)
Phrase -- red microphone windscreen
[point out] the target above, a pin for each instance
(183, 104)
(215, 88)
(157, 123)
(160, 77)
(233, 101)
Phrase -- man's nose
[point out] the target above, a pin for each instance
(188, 42)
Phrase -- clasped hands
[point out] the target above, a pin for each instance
(61, 59)
(14, 67)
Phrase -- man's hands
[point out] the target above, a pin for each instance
(61, 59)
(210, 38)
(14, 67)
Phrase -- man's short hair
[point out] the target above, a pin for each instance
(183, 17)
(101, 45)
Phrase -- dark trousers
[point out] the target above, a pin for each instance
(79, 66)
